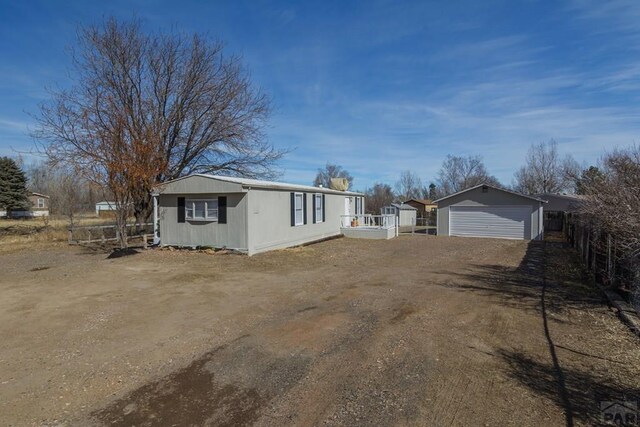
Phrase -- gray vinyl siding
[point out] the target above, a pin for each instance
(270, 220)
(493, 197)
(232, 235)
(258, 219)
(200, 185)
(407, 217)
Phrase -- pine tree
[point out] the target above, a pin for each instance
(13, 186)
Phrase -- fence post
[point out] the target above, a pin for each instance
(609, 275)
(70, 235)
(594, 251)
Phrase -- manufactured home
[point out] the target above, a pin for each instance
(39, 207)
(487, 211)
(248, 215)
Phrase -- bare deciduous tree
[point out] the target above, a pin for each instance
(612, 206)
(145, 108)
(613, 200)
(378, 196)
(324, 175)
(69, 193)
(409, 186)
(459, 173)
(545, 171)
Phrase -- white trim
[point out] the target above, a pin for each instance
(255, 183)
(295, 209)
(318, 196)
(206, 210)
(495, 188)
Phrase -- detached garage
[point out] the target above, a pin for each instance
(487, 211)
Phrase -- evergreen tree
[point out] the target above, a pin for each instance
(13, 186)
(432, 192)
(589, 178)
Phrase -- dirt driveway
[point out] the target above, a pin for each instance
(418, 330)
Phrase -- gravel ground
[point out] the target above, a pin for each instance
(418, 330)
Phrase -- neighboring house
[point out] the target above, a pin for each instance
(246, 214)
(487, 211)
(39, 207)
(558, 205)
(405, 213)
(105, 209)
(423, 206)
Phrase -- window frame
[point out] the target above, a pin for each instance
(295, 209)
(318, 202)
(189, 204)
(359, 205)
(41, 199)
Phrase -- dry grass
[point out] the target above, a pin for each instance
(19, 234)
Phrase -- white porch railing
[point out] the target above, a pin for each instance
(368, 221)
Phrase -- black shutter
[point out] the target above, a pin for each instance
(304, 207)
(181, 209)
(222, 209)
(293, 209)
(324, 208)
(313, 212)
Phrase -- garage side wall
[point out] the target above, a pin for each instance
(492, 198)
(232, 235)
(270, 220)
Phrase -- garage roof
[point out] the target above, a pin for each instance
(493, 187)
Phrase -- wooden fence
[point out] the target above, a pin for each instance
(602, 255)
(87, 234)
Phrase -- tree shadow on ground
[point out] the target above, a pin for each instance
(548, 280)
(520, 287)
(583, 391)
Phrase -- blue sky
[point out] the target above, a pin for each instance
(380, 86)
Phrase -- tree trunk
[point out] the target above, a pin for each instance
(142, 210)
(121, 227)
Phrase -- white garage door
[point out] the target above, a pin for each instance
(508, 222)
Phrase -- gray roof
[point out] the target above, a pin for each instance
(403, 206)
(574, 197)
(495, 188)
(562, 202)
(257, 183)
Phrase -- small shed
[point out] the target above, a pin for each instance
(424, 206)
(406, 214)
(488, 211)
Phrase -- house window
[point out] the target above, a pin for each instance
(299, 209)
(319, 207)
(201, 210)
(41, 203)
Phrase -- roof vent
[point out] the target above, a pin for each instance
(485, 189)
